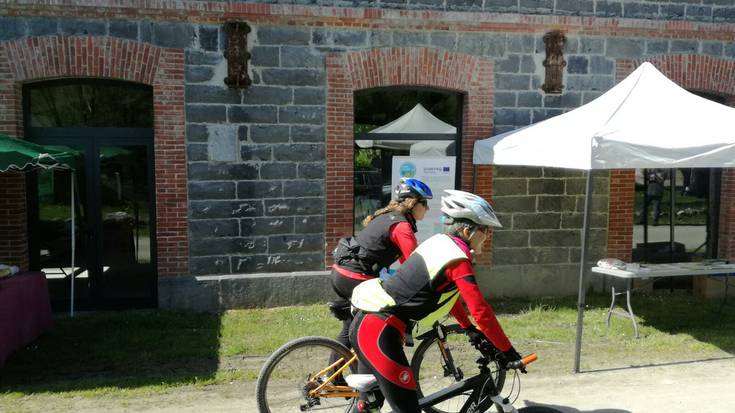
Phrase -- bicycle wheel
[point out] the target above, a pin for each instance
(538, 409)
(432, 373)
(293, 370)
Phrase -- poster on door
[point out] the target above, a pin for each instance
(438, 173)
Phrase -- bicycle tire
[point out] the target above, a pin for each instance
(428, 368)
(286, 372)
(538, 409)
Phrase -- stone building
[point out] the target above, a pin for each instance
(239, 194)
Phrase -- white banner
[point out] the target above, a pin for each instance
(436, 172)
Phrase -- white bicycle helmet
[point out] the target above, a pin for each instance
(464, 205)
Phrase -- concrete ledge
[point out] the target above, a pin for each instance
(222, 292)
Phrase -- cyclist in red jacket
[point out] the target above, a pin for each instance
(427, 286)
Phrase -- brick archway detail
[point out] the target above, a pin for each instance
(385, 67)
(692, 72)
(40, 58)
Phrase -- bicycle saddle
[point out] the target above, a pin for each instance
(362, 382)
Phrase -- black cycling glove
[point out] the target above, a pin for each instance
(475, 335)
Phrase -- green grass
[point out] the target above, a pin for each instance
(134, 353)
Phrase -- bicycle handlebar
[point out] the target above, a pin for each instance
(522, 363)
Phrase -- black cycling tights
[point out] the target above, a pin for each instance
(378, 340)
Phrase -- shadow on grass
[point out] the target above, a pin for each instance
(126, 350)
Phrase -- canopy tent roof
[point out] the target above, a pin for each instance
(419, 122)
(19, 155)
(646, 121)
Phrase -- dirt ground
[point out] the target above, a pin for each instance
(678, 387)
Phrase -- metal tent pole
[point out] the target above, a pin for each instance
(582, 269)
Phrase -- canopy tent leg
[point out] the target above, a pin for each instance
(73, 247)
(582, 269)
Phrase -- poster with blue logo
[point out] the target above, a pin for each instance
(438, 173)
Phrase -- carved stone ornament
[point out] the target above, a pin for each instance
(237, 55)
(554, 62)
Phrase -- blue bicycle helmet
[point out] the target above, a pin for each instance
(412, 188)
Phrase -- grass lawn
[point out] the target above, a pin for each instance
(143, 352)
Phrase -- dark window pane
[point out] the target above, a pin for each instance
(90, 103)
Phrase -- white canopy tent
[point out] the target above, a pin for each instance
(646, 121)
(419, 122)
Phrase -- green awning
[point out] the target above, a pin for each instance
(19, 155)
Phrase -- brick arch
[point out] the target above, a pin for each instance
(39, 58)
(385, 67)
(693, 72)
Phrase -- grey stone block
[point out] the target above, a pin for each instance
(266, 226)
(591, 45)
(684, 46)
(712, 48)
(551, 255)
(321, 37)
(278, 170)
(718, 2)
(518, 172)
(513, 256)
(622, 48)
(465, 5)
(186, 293)
(577, 83)
(44, 26)
(198, 57)
(301, 56)
(351, 38)
(211, 190)
(507, 238)
(537, 115)
(536, 6)
(211, 94)
(83, 27)
(196, 133)
(267, 95)
(308, 133)
(545, 186)
(410, 39)
(672, 11)
(258, 153)
(308, 96)
(543, 220)
(480, 44)
(529, 99)
(381, 38)
(515, 117)
(222, 172)
(274, 263)
(510, 64)
(222, 144)
(252, 114)
(196, 152)
(269, 35)
(700, 13)
(293, 77)
(145, 32)
(209, 38)
(567, 100)
(219, 264)
(296, 243)
(505, 99)
(561, 173)
(575, 220)
(265, 56)
(574, 7)
(640, 11)
(505, 187)
(303, 188)
(269, 133)
(291, 206)
(723, 14)
(169, 34)
(196, 74)
(447, 41)
(306, 152)
(577, 186)
(234, 245)
(311, 170)
(654, 47)
(577, 64)
(429, 4)
(214, 228)
(309, 224)
(521, 43)
(729, 49)
(502, 6)
(528, 65)
(588, 97)
(313, 115)
(609, 9)
(212, 209)
(260, 189)
(557, 203)
(601, 65)
(206, 113)
(512, 82)
(514, 204)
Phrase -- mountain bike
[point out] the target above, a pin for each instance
(298, 376)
